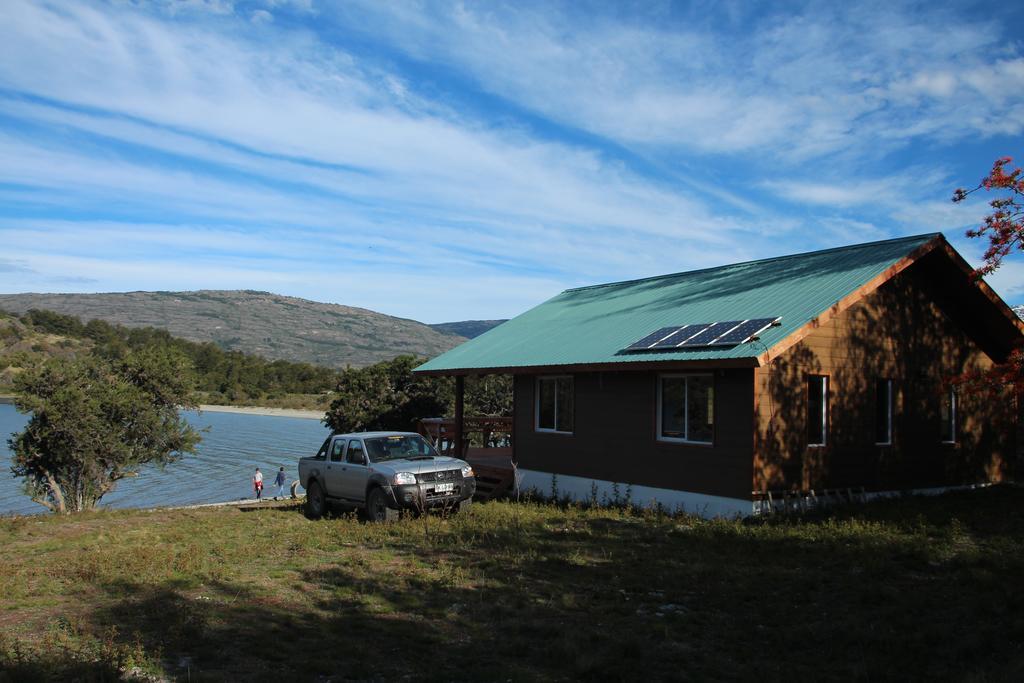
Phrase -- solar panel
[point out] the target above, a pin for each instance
(729, 333)
(652, 339)
(680, 336)
(712, 332)
(744, 331)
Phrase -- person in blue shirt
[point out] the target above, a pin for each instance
(279, 480)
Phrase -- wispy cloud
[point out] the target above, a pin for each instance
(386, 155)
(15, 267)
(821, 79)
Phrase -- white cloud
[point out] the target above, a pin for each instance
(222, 158)
(825, 79)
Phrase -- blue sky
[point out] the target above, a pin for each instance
(446, 161)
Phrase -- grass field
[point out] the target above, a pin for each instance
(925, 588)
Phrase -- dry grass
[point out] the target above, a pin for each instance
(922, 588)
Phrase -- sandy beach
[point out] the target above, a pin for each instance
(249, 410)
(274, 412)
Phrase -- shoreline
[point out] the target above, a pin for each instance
(6, 399)
(270, 412)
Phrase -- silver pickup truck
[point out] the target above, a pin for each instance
(383, 473)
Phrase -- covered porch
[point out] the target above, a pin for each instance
(484, 442)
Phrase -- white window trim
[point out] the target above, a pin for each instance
(889, 415)
(824, 413)
(686, 400)
(952, 415)
(536, 404)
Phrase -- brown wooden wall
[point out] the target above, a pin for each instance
(908, 330)
(615, 439)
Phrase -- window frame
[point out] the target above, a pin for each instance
(826, 392)
(536, 404)
(890, 414)
(953, 409)
(659, 408)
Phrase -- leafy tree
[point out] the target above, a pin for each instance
(232, 373)
(96, 421)
(388, 396)
(490, 395)
(1004, 228)
(54, 323)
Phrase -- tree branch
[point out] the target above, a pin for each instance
(56, 492)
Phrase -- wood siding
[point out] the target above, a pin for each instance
(909, 330)
(615, 435)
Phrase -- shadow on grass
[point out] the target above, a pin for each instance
(562, 594)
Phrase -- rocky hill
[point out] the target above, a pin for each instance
(269, 325)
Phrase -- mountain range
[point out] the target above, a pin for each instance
(270, 325)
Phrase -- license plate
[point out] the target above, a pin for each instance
(444, 488)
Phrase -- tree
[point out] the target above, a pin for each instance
(1004, 228)
(388, 396)
(489, 395)
(97, 420)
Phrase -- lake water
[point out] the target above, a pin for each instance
(221, 470)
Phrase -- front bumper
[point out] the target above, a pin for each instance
(422, 496)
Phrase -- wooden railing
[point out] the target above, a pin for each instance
(486, 445)
(478, 432)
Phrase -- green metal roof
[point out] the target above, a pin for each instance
(592, 325)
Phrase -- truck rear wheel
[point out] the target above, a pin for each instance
(315, 501)
(377, 509)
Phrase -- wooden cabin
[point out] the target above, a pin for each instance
(707, 389)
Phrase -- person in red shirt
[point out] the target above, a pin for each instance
(257, 483)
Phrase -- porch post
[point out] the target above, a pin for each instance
(460, 395)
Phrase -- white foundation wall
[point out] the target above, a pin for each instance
(582, 489)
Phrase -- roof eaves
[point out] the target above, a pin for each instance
(985, 288)
(702, 363)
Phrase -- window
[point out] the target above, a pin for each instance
(355, 453)
(555, 404)
(337, 450)
(817, 410)
(686, 408)
(948, 415)
(883, 412)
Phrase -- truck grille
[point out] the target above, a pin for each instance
(446, 475)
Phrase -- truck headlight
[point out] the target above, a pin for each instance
(404, 478)
(467, 471)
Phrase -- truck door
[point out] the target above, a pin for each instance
(356, 472)
(334, 468)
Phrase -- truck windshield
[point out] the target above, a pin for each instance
(397, 447)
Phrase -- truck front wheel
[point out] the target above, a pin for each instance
(377, 509)
(315, 501)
